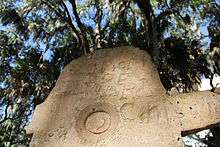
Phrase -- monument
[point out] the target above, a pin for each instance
(114, 98)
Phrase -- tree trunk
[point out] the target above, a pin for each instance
(82, 30)
(153, 42)
(98, 19)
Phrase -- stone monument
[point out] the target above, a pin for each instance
(114, 98)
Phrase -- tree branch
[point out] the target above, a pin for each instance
(98, 19)
(82, 31)
(152, 44)
(124, 6)
(68, 20)
(163, 14)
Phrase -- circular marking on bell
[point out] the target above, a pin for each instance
(98, 122)
(129, 111)
(99, 119)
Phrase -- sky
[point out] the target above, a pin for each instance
(205, 83)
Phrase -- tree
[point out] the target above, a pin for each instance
(38, 38)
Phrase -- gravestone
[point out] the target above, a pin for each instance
(114, 98)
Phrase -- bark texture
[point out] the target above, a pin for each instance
(114, 98)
